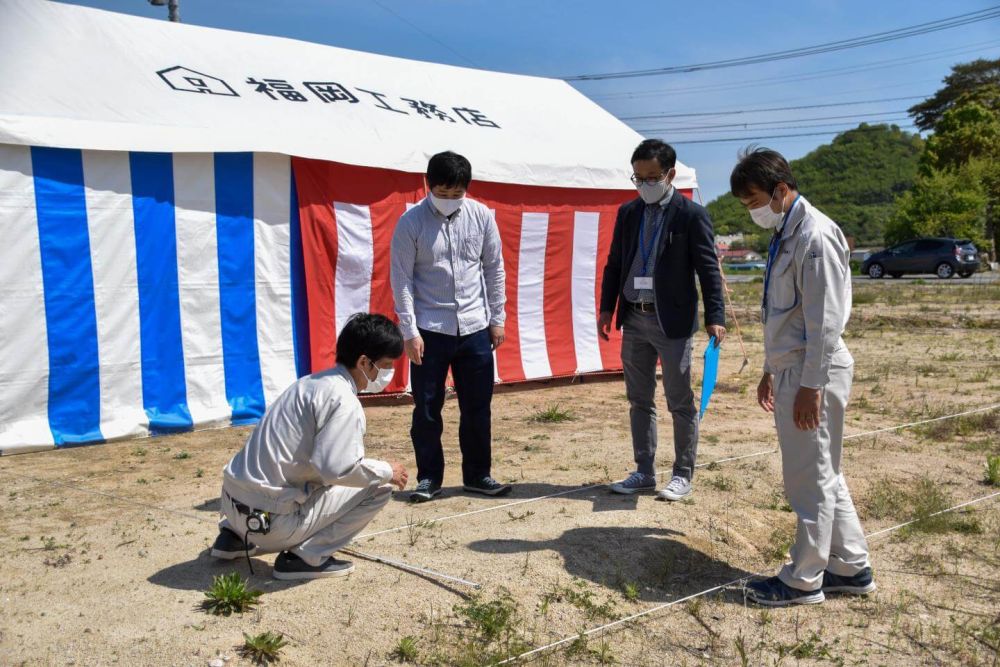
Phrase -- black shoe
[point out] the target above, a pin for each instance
(228, 546)
(773, 592)
(426, 490)
(487, 486)
(860, 584)
(288, 566)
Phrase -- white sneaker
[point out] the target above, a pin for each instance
(678, 489)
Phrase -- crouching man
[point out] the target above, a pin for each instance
(301, 484)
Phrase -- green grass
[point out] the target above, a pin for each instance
(630, 590)
(992, 470)
(406, 649)
(263, 648)
(582, 598)
(492, 630)
(721, 483)
(229, 593)
(182, 455)
(553, 414)
(964, 426)
(490, 619)
(922, 501)
(779, 543)
(864, 297)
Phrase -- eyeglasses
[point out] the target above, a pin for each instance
(648, 181)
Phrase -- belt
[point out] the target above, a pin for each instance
(645, 308)
(246, 510)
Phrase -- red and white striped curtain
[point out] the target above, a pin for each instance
(555, 246)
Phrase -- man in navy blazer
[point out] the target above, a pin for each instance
(661, 240)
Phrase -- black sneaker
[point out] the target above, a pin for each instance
(773, 592)
(288, 566)
(860, 584)
(487, 486)
(228, 546)
(426, 490)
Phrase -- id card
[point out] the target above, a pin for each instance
(644, 282)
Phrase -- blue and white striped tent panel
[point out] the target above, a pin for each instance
(143, 292)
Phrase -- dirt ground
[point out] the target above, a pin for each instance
(105, 562)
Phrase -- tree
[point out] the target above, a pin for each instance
(945, 202)
(966, 132)
(958, 190)
(980, 78)
(855, 180)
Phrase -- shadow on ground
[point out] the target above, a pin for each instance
(197, 574)
(663, 568)
(601, 498)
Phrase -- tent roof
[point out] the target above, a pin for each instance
(85, 78)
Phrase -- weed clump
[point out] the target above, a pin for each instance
(264, 648)
(229, 593)
(924, 503)
(554, 414)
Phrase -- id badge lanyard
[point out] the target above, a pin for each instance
(772, 255)
(647, 252)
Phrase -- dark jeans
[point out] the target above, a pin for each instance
(471, 360)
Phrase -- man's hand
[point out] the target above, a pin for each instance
(604, 325)
(496, 336)
(718, 331)
(806, 408)
(399, 475)
(765, 392)
(415, 349)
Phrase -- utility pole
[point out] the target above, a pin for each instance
(173, 9)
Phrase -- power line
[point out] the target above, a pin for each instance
(734, 112)
(424, 33)
(881, 121)
(805, 76)
(772, 136)
(682, 128)
(828, 47)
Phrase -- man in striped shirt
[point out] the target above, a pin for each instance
(448, 282)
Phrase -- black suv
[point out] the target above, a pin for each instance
(942, 257)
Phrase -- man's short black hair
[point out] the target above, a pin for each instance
(370, 334)
(654, 149)
(761, 168)
(450, 170)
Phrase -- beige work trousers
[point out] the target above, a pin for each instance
(829, 535)
(326, 522)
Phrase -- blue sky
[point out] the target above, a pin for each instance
(561, 38)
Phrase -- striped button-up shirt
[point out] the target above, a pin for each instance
(447, 273)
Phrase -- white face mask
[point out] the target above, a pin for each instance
(765, 217)
(446, 206)
(383, 376)
(653, 193)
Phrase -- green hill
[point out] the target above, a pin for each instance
(854, 179)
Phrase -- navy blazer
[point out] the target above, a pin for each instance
(686, 247)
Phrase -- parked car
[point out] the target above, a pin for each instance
(942, 257)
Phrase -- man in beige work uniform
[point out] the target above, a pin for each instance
(806, 382)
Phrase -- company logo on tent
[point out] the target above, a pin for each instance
(188, 80)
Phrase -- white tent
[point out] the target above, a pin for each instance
(159, 271)
(84, 78)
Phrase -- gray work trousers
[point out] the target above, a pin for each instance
(643, 342)
(829, 535)
(326, 522)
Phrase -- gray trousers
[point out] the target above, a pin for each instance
(829, 535)
(326, 522)
(643, 342)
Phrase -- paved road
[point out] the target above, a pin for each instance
(987, 278)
